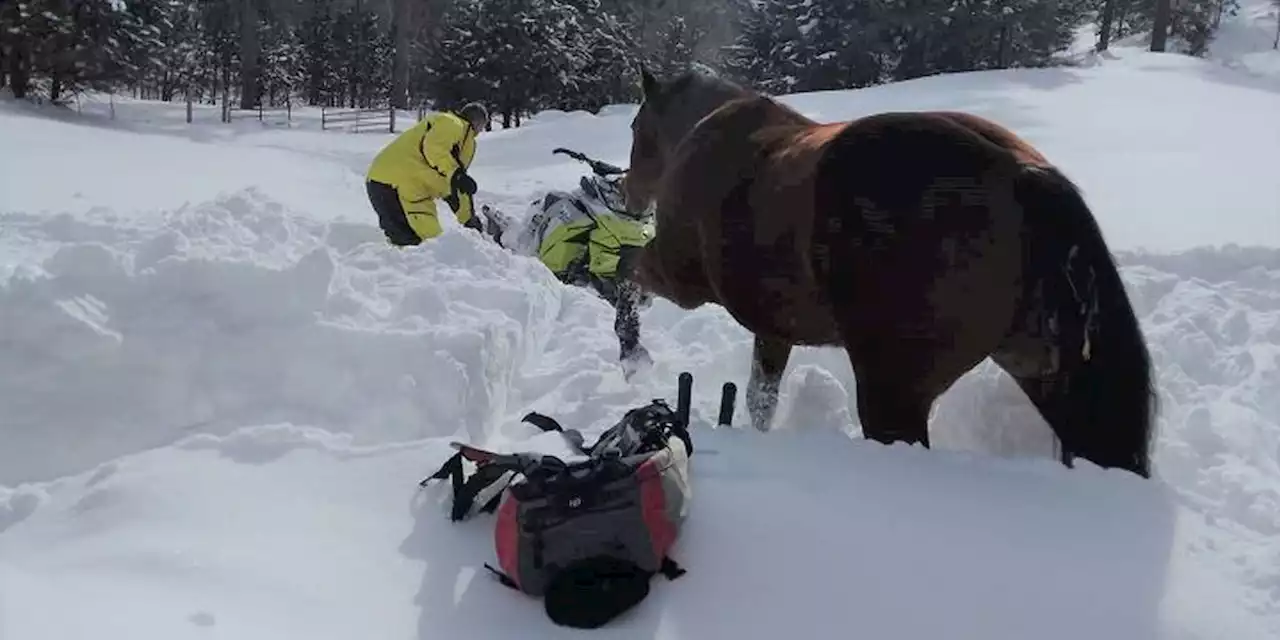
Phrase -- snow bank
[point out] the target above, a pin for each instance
(193, 539)
(359, 361)
(1247, 41)
(236, 311)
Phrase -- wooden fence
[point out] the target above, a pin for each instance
(264, 115)
(358, 120)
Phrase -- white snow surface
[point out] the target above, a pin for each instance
(219, 388)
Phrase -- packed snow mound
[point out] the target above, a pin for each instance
(193, 539)
(235, 311)
(221, 387)
(359, 361)
(1247, 41)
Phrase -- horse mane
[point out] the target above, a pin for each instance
(696, 92)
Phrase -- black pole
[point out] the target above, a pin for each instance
(728, 396)
(684, 398)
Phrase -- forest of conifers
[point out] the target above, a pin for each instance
(520, 56)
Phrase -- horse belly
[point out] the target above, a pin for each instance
(779, 308)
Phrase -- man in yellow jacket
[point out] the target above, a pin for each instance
(426, 163)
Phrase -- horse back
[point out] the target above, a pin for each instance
(996, 134)
(917, 227)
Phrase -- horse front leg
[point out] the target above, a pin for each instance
(769, 359)
(626, 321)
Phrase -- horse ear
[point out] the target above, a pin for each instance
(649, 85)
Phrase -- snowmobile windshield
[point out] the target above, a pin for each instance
(608, 192)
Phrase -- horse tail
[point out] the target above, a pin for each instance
(1105, 397)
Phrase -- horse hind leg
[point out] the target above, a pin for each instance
(892, 404)
(898, 378)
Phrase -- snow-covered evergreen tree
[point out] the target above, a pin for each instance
(282, 64)
(609, 61)
(320, 56)
(518, 56)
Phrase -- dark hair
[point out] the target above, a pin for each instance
(474, 112)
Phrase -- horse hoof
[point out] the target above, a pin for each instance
(761, 423)
(635, 363)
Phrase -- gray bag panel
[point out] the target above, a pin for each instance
(610, 521)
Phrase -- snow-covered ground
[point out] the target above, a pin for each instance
(219, 388)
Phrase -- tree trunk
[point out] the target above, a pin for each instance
(401, 27)
(225, 87)
(1160, 25)
(1104, 25)
(1004, 47)
(1276, 43)
(250, 51)
(19, 78)
(359, 65)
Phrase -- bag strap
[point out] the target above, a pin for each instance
(670, 569)
(481, 484)
(644, 421)
(549, 424)
(490, 479)
(502, 577)
(495, 472)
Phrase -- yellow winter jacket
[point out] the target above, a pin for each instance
(420, 163)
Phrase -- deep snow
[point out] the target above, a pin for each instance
(219, 390)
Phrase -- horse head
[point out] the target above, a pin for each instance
(669, 110)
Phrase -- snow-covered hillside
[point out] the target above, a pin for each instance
(219, 388)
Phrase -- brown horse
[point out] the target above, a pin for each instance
(921, 243)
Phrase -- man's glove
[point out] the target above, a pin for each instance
(464, 183)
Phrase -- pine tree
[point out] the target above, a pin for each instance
(749, 58)
(221, 42)
(773, 49)
(847, 42)
(319, 56)
(73, 45)
(609, 59)
(283, 69)
(457, 55)
(187, 55)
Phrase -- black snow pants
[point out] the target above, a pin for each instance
(391, 217)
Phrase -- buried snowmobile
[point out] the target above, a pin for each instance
(586, 236)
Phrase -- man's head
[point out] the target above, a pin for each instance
(476, 114)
